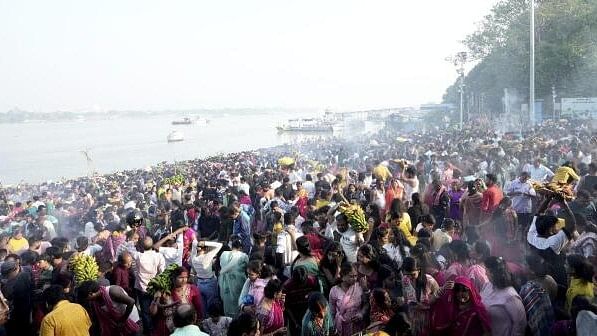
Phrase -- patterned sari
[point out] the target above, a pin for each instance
(344, 306)
(271, 319)
(540, 313)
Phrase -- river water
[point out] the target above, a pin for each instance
(42, 151)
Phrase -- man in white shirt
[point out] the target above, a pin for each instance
(538, 172)
(172, 252)
(309, 186)
(37, 202)
(342, 232)
(275, 185)
(548, 242)
(522, 193)
(547, 235)
(83, 246)
(148, 264)
(47, 226)
(203, 254)
(244, 186)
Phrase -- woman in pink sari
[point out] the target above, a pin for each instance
(270, 311)
(463, 265)
(187, 240)
(258, 275)
(346, 302)
(460, 311)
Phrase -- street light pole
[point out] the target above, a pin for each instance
(553, 100)
(460, 61)
(532, 64)
(461, 98)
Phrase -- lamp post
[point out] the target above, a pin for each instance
(532, 64)
(459, 60)
(553, 101)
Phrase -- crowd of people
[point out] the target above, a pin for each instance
(469, 232)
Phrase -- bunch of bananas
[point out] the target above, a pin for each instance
(84, 267)
(286, 161)
(355, 215)
(162, 282)
(176, 179)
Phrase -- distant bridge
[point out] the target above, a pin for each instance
(376, 114)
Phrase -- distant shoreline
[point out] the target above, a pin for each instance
(19, 117)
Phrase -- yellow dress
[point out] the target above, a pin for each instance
(405, 226)
(578, 287)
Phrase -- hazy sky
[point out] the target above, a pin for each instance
(121, 54)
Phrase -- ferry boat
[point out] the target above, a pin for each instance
(306, 125)
(175, 136)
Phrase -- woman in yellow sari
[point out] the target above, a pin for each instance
(581, 279)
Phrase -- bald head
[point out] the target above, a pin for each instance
(184, 315)
(147, 243)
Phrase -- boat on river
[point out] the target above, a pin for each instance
(175, 136)
(183, 121)
(307, 125)
(190, 121)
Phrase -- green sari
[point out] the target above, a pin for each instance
(231, 279)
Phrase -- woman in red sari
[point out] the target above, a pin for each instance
(460, 311)
(270, 311)
(184, 292)
(164, 305)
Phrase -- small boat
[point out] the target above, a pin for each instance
(306, 125)
(183, 121)
(190, 121)
(175, 136)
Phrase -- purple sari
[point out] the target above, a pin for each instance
(455, 203)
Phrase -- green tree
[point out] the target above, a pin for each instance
(565, 51)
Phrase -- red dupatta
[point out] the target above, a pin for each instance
(445, 312)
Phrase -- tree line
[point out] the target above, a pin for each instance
(565, 54)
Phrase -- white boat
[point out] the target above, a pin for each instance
(183, 121)
(306, 125)
(175, 136)
(190, 121)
